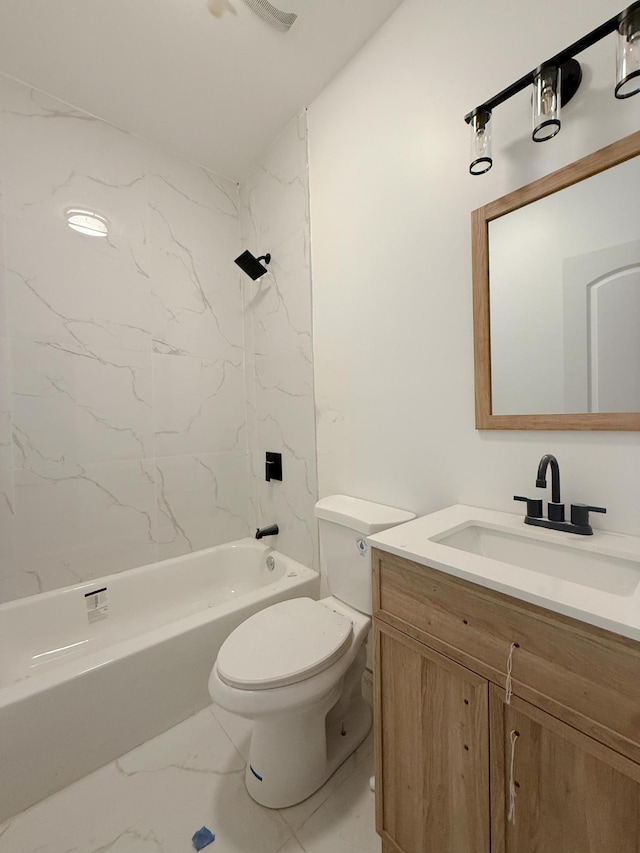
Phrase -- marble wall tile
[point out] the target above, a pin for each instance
(289, 503)
(202, 501)
(198, 405)
(72, 405)
(197, 305)
(275, 193)
(82, 521)
(92, 291)
(281, 305)
(3, 284)
(8, 580)
(72, 291)
(6, 452)
(278, 343)
(284, 401)
(113, 351)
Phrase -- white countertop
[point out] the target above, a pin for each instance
(611, 611)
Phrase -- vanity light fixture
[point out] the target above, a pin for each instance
(87, 222)
(481, 157)
(557, 80)
(628, 59)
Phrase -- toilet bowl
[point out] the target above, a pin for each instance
(295, 669)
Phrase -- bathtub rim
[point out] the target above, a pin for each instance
(29, 686)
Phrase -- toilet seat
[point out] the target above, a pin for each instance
(283, 644)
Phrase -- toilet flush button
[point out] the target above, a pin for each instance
(362, 546)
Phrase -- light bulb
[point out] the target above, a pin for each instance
(546, 103)
(481, 160)
(628, 54)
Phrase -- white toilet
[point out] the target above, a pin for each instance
(296, 667)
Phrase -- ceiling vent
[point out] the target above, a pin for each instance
(278, 18)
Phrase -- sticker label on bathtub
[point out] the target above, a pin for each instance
(97, 605)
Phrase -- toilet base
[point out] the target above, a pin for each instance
(292, 755)
(277, 789)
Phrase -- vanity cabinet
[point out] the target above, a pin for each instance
(449, 748)
(435, 749)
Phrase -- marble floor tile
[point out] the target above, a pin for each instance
(293, 846)
(152, 801)
(238, 730)
(155, 797)
(345, 822)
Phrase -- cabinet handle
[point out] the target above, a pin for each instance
(511, 816)
(508, 686)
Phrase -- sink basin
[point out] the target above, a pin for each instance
(595, 579)
(589, 568)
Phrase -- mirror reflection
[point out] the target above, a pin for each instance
(564, 285)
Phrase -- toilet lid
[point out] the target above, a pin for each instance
(283, 644)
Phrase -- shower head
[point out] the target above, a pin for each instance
(251, 265)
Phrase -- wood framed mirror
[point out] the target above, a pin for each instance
(556, 298)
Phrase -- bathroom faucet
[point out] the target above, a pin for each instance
(271, 530)
(555, 511)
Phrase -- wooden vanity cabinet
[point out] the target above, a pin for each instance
(445, 744)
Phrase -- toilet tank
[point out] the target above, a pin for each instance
(344, 524)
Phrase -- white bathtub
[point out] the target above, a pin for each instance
(85, 675)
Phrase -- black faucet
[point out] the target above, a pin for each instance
(555, 510)
(555, 521)
(271, 530)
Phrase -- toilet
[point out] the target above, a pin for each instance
(295, 669)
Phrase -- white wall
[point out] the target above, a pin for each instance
(274, 215)
(390, 222)
(121, 360)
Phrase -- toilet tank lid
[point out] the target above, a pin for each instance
(364, 516)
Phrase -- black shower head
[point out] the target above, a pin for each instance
(251, 265)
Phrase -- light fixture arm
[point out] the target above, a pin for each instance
(559, 59)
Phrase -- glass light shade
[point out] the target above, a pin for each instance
(87, 222)
(628, 54)
(546, 104)
(481, 159)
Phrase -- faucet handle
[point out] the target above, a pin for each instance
(534, 506)
(580, 513)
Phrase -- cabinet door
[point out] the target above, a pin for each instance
(572, 794)
(432, 750)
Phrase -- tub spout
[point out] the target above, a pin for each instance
(271, 530)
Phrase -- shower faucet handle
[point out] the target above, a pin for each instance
(273, 466)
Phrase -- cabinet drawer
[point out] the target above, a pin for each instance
(588, 677)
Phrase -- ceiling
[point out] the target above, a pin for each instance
(207, 79)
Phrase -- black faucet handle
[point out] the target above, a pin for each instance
(580, 513)
(534, 506)
(555, 511)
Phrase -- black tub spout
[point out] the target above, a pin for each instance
(271, 530)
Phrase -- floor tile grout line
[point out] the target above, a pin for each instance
(292, 837)
(227, 735)
(325, 801)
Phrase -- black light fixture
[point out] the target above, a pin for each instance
(556, 81)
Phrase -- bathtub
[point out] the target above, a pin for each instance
(90, 671)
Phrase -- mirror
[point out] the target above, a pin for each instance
(556, 289)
